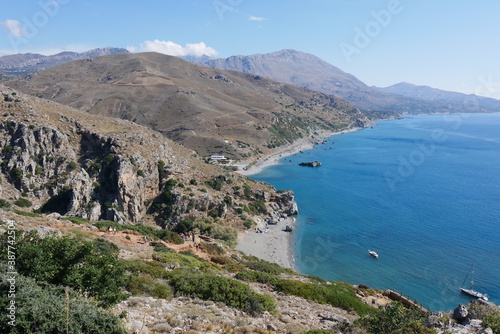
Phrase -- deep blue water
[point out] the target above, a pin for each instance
(424, 192)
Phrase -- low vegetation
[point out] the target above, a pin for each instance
(221, 289)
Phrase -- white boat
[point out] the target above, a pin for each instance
(471, 291)
(373, 254)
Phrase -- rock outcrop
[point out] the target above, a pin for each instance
(107, 169)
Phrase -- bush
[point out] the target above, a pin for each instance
(185, 225)
(149, 231)
(152, 268)
(493, 322)
(159, 247)
(221, 289)
(90, 267)
(221, 260)
(212, 249)
(77, 220)
(40, 308)
(71, 166)
(176, 260)
(257, 276)
(337, 294)
(23, 203)
(146, 285)
(4, 204)
(267, 267)
(397, 319)
(214, 228)
(175, 239)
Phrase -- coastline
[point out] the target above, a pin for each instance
(282, 152)
(275, 245)
(272, 245)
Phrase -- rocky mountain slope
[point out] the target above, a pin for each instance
(309, 71)
(12, 66)
(209, 110)
(442, 96)
(97, 167)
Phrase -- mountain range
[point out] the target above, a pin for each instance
(12, 66)
(209, 110)
(442, 96)
(297, 68)
(309, 71)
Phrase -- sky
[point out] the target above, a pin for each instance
(447, 44)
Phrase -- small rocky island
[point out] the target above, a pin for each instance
(311, 164)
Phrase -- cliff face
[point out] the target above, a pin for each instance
(102, 168)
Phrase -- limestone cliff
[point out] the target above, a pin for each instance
(101, 168)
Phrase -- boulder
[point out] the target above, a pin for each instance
(460, 313)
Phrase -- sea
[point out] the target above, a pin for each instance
(422, 191)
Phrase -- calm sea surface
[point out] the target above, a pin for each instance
(424, 192)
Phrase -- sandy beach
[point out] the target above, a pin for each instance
(272, 245)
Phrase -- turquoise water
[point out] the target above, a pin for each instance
(424, 192)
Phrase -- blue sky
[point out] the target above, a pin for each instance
(447, 44)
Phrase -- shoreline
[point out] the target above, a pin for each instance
(272, 244)
(275, 245)
(298, 146)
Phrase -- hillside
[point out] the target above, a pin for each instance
(442, 96)
(97, 167)
(12, 66)
(309, 71)
(208, 110)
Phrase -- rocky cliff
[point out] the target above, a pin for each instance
(101, 168)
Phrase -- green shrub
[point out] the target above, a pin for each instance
(257, 207)
(221, 289)
(26, 214)
(217, 182)
(175, 239)
(221, 260)
(77, 220)
(146, 285)
(159, 247)
(397, 319)
(215, 228)
(90, 267)
(257, 276)
(23, 203)
(149, 231)
(185, 225)
(212, 248)
(40, 308)
(337, 294)
(71, 166)
(267, 267)
(493, 322)
(4, 204)
(176, 260)
(152, 268)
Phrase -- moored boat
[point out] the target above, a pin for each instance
(471, 291)
(373, 254)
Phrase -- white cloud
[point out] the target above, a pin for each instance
(13, 27)
(256, 18)
(174, 49)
